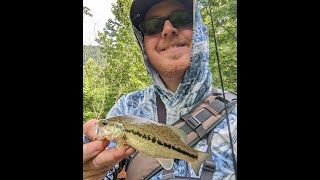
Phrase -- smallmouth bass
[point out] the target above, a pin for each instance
(163, 142)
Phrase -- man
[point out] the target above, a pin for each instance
(174, 43)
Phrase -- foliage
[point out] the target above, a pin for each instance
(91, 52)
(121, 61)
(119, 69)
(224, 18)
(94, 89)
(86, 11)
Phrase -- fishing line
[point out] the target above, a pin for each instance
(221, 81)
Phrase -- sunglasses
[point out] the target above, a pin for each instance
(155, 24)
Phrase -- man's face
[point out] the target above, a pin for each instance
(169, 51)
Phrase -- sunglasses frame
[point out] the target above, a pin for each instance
(163, 19)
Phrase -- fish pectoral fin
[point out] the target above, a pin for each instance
(165, 163)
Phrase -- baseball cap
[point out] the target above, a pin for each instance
(140, 7)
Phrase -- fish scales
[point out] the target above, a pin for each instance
(158, 141)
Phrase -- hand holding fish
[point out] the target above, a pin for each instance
(162, 142)
(96, 159)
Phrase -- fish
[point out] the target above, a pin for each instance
(162, 142)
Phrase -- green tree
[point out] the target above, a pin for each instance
(224, 18)
(121, 62)
(94, 89)
(119, 47)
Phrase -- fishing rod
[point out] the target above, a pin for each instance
(222, 87)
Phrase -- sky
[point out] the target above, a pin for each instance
(101, 12)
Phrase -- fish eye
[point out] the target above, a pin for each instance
(104, 123)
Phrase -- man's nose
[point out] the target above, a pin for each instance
(169, 29)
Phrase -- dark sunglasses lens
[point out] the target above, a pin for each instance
(155, 25)
(152, 26)
(181, 18)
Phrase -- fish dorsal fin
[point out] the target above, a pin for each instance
(179, 132)
(165, 163)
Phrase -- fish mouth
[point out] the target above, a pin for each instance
(103, 122)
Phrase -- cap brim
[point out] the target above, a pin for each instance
(140, 7)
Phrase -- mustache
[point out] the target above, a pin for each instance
(176, 41)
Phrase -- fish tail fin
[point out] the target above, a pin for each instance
(197, 163)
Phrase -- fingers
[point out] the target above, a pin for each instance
(89, 127)
(99, 176)
(92, 149)
(109, 157)
(96, 159)
(89, 173)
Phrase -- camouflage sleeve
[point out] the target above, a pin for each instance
(221, 149)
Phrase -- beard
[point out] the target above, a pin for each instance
(171, 56)
(173, 70)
